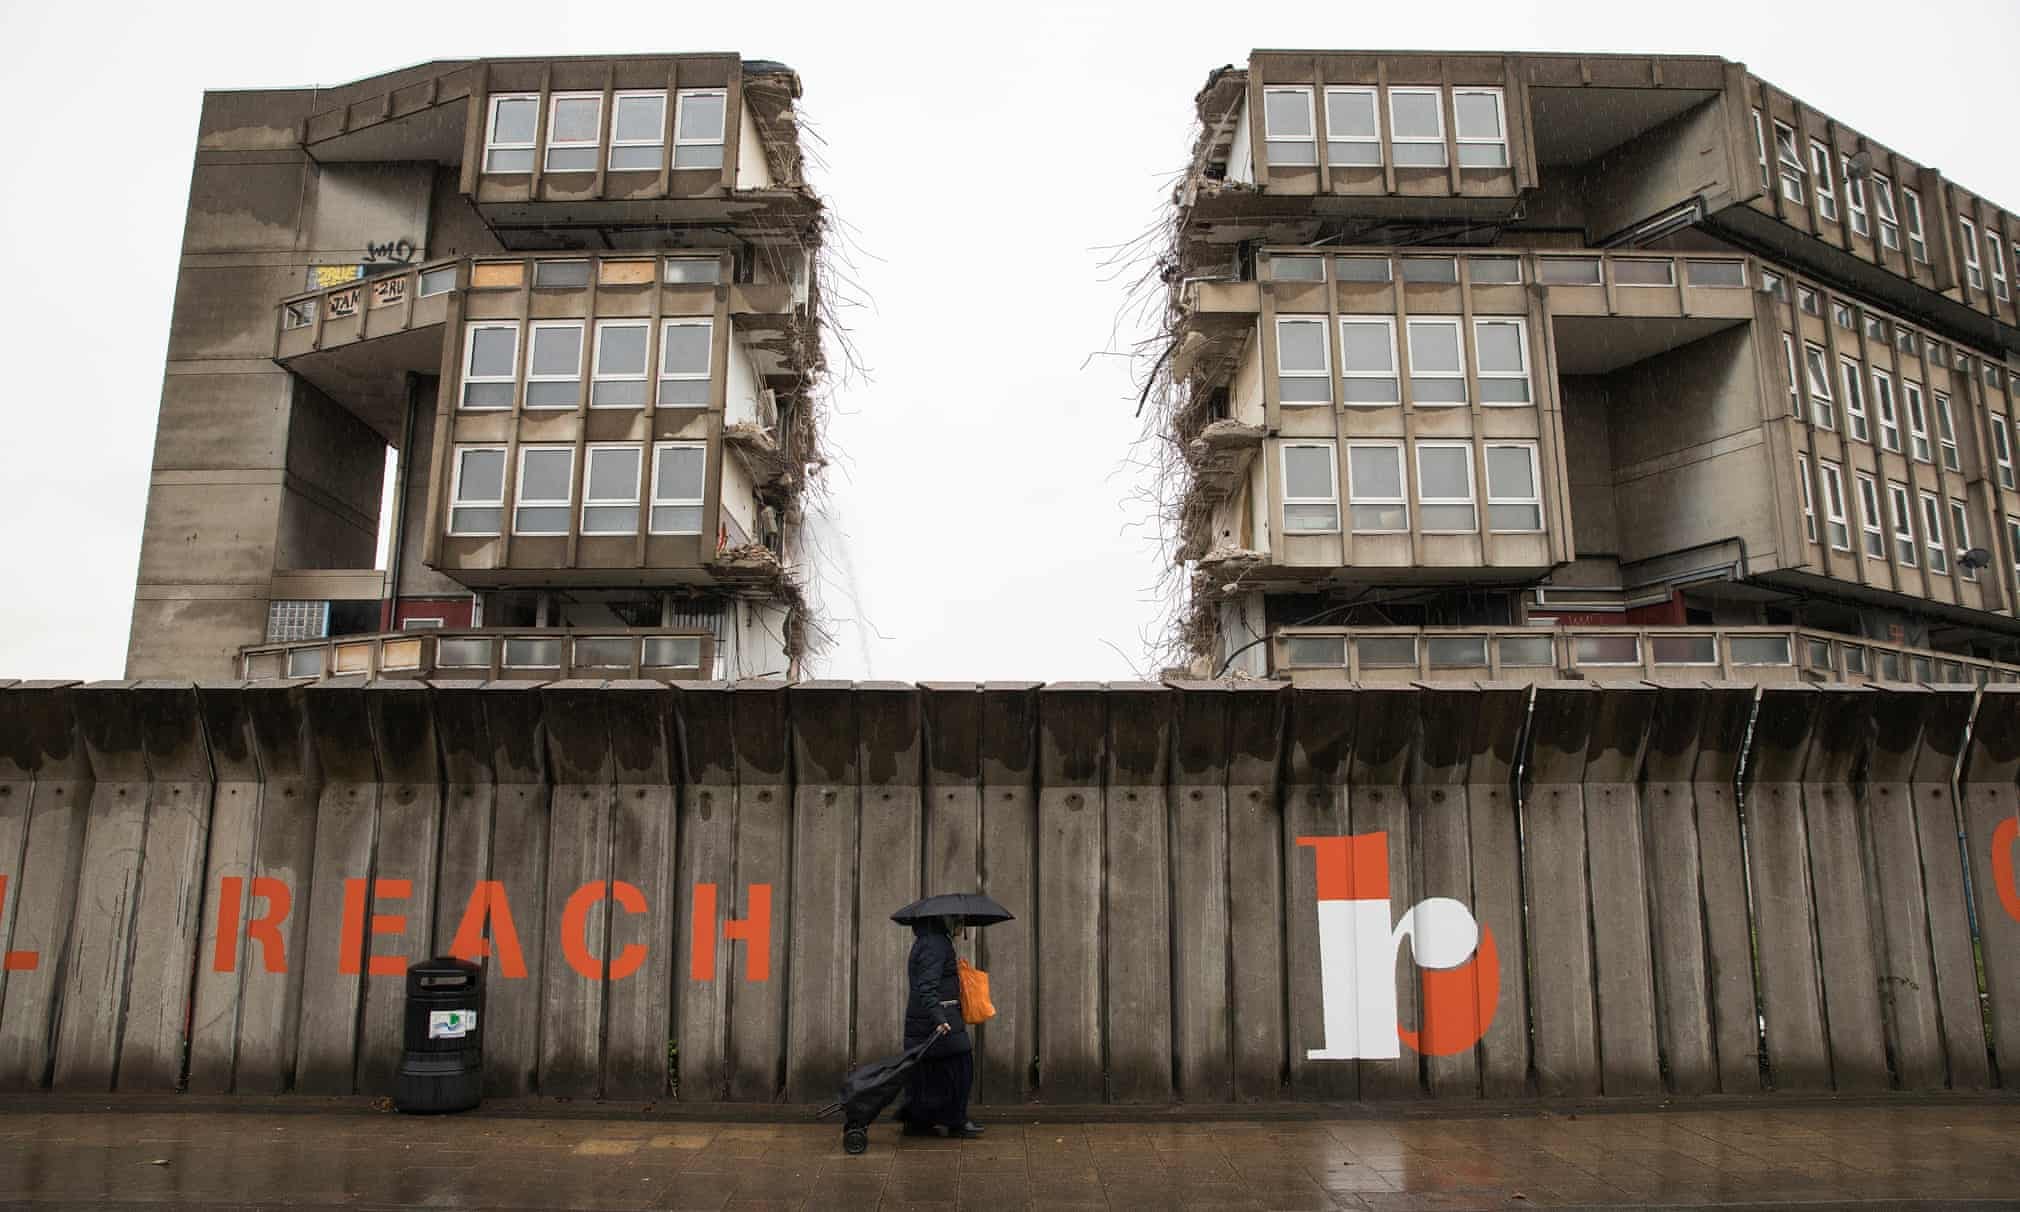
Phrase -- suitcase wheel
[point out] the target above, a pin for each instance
(855, 1140)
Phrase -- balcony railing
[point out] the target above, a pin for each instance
(375, 306)
(1749, 654)
(490, 653)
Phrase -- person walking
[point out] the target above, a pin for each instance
(936, 1100)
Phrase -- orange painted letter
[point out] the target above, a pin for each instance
(701, 953)
(19, 961)
(488, 905)
(264, 930)
(754, 931)
(351, 943)
(2002, 866)
(574, 930)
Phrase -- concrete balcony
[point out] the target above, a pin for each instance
(1328, 655)
(537, 654)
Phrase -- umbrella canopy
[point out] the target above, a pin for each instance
(972, 907)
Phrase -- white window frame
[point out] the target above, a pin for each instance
(566, 503)
(721, 139)
(470, 354)
(1500, 119)
(660, 377)
(617, 100)
(1820, 177)
(1889, 413)
(1932, 538)
(581, 352)
(1869, 518)
(644, 375)
(1521, 328)
(1974, 272)
(1946, 432)
(2002, 451)
(1837, 518)
(1792, 371)
(1808, 497)
(1309, 139)
(1470, 500)
(1373, 96)
(1760, 152)
(655, 501)
(1901, 511)
(1333, 479)
(554, 101)
(1394, 374)
(589, 454)
(458, 501)
(1817, 376)
(1789, 163)
(1995, 259)
(1855, 198)
(1911, 214)
(1436, 94)
(1324, 373)
(1960, 526)
(1883, 208)
(1457, 325)
(1850, 375)
(1400, 502)
(491, 140)
(1918, 421)
(1535, 498)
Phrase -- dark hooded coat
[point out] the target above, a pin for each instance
(935, 992)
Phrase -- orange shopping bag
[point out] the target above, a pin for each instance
(975, 1004)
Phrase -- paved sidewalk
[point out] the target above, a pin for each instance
(1877, 1154)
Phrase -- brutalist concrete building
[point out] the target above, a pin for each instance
(577, 299)
(1526, 366)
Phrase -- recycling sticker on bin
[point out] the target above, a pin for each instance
(451, 1024)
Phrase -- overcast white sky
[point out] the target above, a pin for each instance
(983, 154)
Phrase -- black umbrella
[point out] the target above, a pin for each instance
(972, 907)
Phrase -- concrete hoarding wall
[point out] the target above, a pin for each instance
(1224, 892)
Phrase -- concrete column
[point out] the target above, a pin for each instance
(46, 781)
(1991, 828)
(1938, 828)
(890, 748)
(1615, 865)
(1385, 737)
(1199, 893)
(1137, 961)
(346, 827)
(284, 850)
(1559, 913)
(1848, 940)
(515, 731)
(763, 857)
(1675, 889)
(468, 797)
(404, 852)
(1072, 936)
(1777, 863)
(575, 720)
(953, 820)
(638, 1020)
(1728, 920)
(226, 727)
(1501, 712)
(1008, 753)
(826, 808)
(1319, 743)
(1255, 887)
(707, 752)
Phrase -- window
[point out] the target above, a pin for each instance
(560, 274)
(1869, 518)
(684, 355)
(1997, 261)
(672, 652)
(2013, 542)
(1855, 197)
(637, 131)
(1760, 152)
(1807, 300)
(477, 493)
(437, 281)
(1841, 315)
(1514, 490)
(1482, 135)
(554, 364)
(1837, 526)
(679, 476)
(1495, 271)
(508, 142)
(1816, 369)
(1715, 273)
(1907, 340)
(618, 378)
(1792, 379)
(546, 485)
(1932, 533)
(1440, 271)
(1569, 271)
(1445, 488)
(1304, 369)
(1790, 161)
(1376, 504)
(2002, 451)
(1918, 421)
(610, 490)
(1437, 371)
(1918, 243)
(1960, 529)
(688, 271)
(299, 314)
(490, 364)
(1642, 271)
(1361, 269)
(1297, 269)
(1904, 528)
(1809, 502)
(698, 122)
(573, 131)
(1855, 399)
(1946, 433)
(1417, 127)
(1774, 286)
(1876, 328)
(1501, 356)
(1368, 360)
(1353, 135)
(1883, 203)
(1311, 494)
(1820, 171)
(1973, 271)
(1883, 399)
(1287, 127)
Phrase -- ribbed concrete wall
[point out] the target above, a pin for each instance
(1688, 890)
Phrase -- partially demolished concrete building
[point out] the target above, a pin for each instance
(1526, 366)
(579, 298)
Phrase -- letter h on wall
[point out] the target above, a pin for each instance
(754, 931)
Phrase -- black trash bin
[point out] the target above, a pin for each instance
(442, 1068)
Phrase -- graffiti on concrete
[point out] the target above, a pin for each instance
(399, 252)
